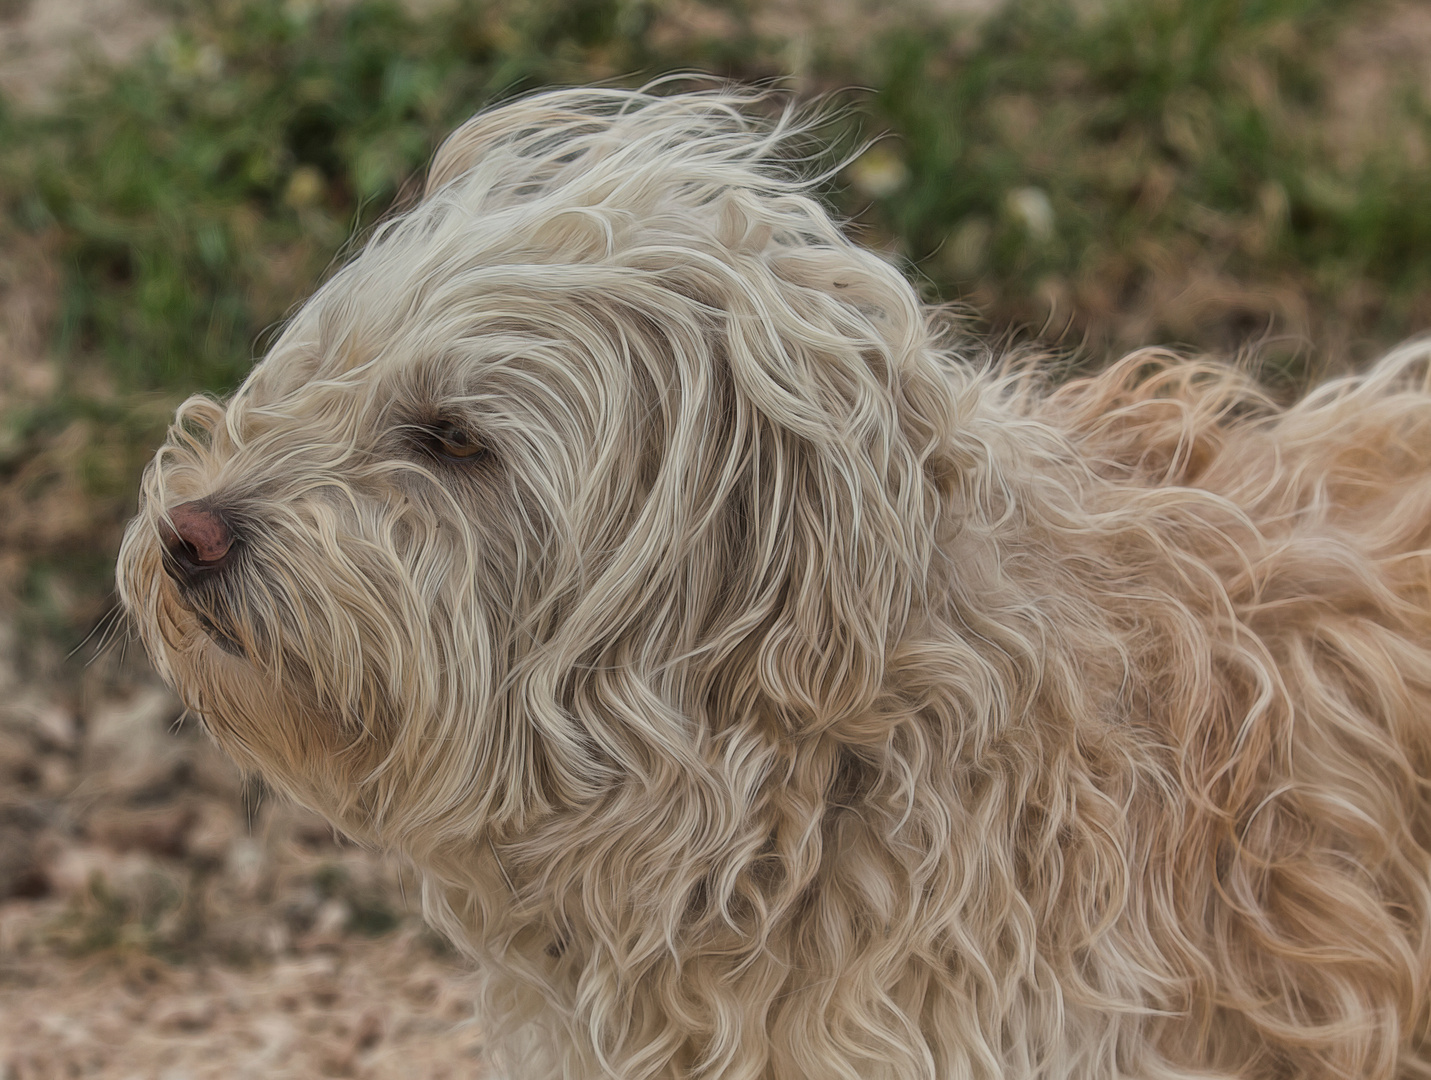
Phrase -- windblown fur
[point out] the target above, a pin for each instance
(777, 694)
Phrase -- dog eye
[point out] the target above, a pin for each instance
(450, 442)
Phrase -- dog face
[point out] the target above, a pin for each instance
(611, 447)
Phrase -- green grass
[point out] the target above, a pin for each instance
(201, 190)
(1166, 133)
(1114, 173)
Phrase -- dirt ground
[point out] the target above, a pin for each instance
(363, 1010)
(40, 38)
(160, 917)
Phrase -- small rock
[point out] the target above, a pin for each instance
(1030, 206)
(20, 871)
(131, 748)
(186, 1016)
(369, 1032)
(53, 725)
(212, 833)
(161, 830)
(329, 922)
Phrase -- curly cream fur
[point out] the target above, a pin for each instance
(782, 695)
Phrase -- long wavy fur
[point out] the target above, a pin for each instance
(781, 694)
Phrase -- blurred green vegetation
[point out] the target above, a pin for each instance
(1056, 156)
(1047, 149)
(1105, 172)
(200, 190)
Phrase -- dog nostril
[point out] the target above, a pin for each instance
(196, 539)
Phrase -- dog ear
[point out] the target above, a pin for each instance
(840, 412)
(794, 442)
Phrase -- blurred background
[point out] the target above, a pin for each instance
(1242, 177)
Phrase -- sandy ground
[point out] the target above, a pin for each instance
(41, 39)
(160, 917)
(368, 1009)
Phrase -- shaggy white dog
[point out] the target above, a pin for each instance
(766, 692)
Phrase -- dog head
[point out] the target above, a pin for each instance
(611, 457)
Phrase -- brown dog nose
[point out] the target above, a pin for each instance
(197, 540)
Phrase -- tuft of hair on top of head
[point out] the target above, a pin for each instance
(586, 140)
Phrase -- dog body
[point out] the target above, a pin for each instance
(765, 691)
